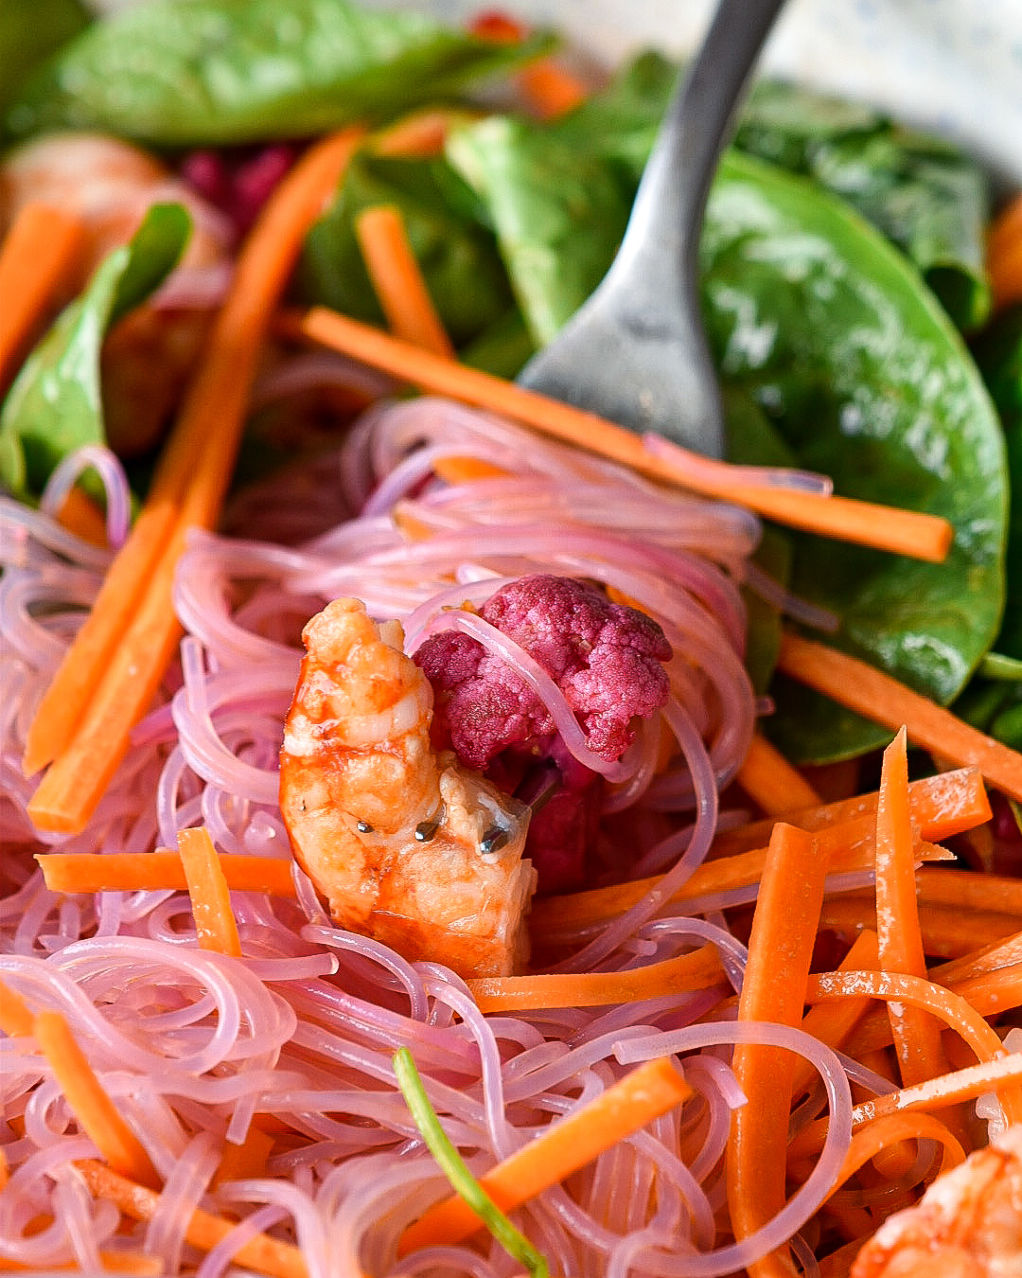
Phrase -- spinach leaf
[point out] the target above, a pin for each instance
(458, 256)
(55, 404)
(854, 362)
(208, 72)
(30, 30)
(924, 194)
(558, 212)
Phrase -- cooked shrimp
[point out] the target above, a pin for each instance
(358, 774)
(110, 184)
(967, 1225)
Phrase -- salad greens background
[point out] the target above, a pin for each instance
(843, 260)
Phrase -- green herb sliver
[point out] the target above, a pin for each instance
(453, 1166)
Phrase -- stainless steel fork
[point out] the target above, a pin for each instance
(636, 351)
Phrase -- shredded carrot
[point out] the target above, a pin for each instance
(80, 514)
(421, 133)
(96, 1113)
(247, 1160)
(557, 1151)
(780, 952)
(877, 696)
(892, 1129)
(696, 971)
(262, 1254)
(1004, 253)
(947, 931)
(1005, 1071)
(941, 806)
(845, 847)
(42, 249)
(916, 1035)
(115, 665)
(155, 871)
(215, 925)
(775, 785)
(15, 1017)
(904, 532)
(832, 1023)
(397, 279)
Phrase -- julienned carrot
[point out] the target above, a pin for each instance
(1004, 952)
(397, 279)
(892, 1129)
(558, 1150)
(916, 1035)
(772, 782)
(947, 931)
(838, 1264)
(247, 1160)
(262, 1254)
(938, 1093)
(549, 89)
(80, 514)
(904, 532)
(153, 871)
(1006, 228)
(421, 133)
(139, 1264)
(942, 805)
(1004, 253)
(879, 697)
(832, 1023)
(780, 951)
(39, 254)
(970, 890)
(215, 925)
(462, 470)
(89, 1102)
(114, 667)
(15, 1017)
(696, 971)
(842, 848)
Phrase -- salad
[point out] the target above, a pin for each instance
(448, 833)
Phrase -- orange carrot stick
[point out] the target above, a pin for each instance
(772, 782)
(891, 1130)
(1006, 275)
(15, 1017)
(80, 514)
(262, 1254)
(916, 1035)
(947, 931)
(118, 659)
(421, 133)
(832, 1023)
(139, 1264)
(696, 971)
(465, 470)
(970, 890)
(780, 952)
(946, 804)
(397, 280)
(901, 531)
(155, 871)
(247, 1160)
(95, 1111)
(215, 925)
(1006, 228)
(877, 696)
(40, 251)
(560, 1149)
(549, 89)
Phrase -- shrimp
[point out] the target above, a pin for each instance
(388, 830)
(110, 184)
(967, 1225)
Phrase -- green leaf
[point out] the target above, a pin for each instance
(55, 404)
(834, 335)
(457, 1172)
(211, 72)
(558, 213)
(923, 193)
(458, 256)
(31, 30)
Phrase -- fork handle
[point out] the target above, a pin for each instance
(668, 211)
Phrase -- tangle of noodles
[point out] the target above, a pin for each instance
(298, 1034)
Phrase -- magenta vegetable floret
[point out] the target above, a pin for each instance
(606, 658)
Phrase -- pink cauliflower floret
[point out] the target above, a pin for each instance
(607, 660)
(605, 657)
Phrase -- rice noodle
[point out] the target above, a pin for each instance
(194, 1046)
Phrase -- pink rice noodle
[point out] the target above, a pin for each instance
(194, 1045)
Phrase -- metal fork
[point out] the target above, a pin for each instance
(636, 351)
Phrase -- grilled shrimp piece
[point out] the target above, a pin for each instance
(358, 774)
(110, 184)
(968, 1224)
